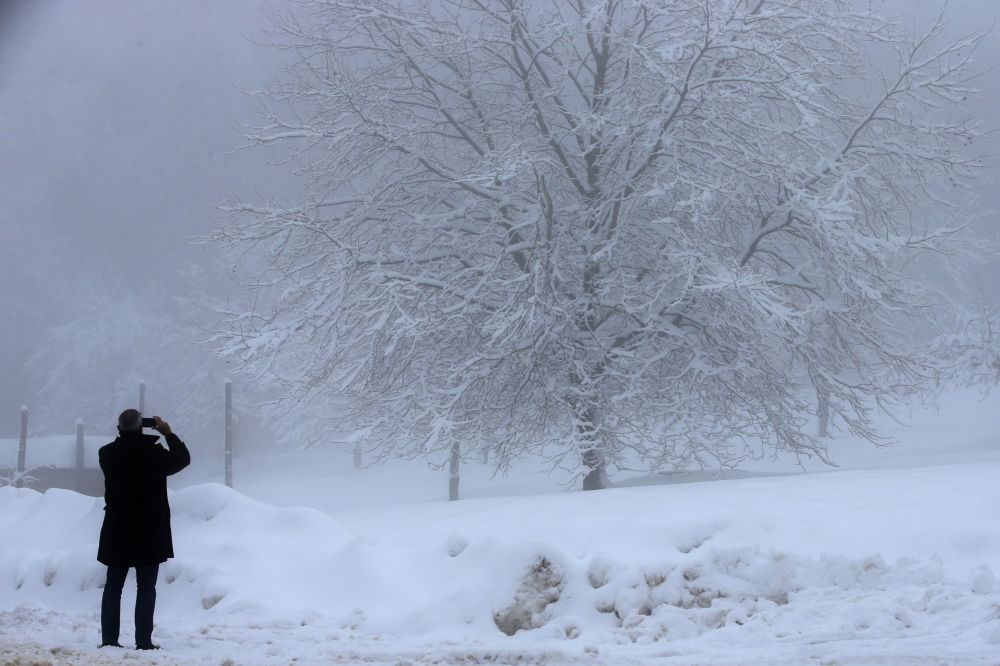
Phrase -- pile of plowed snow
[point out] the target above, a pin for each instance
(230, 544)
(883, 557)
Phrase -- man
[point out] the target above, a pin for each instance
(136, 530)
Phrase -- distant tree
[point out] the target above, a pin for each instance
(621, 231)
(29, 257)
(90, 366)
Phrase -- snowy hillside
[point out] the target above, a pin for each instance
(892, 564)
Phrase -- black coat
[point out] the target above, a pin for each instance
(136, 528)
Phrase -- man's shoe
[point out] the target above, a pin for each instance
(110, 645)
(147, 646)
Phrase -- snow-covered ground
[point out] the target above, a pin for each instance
(888, 560)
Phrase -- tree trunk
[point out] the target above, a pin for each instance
(597, 477)
(590, 449)
(453, 466)
(823, 413)
(589, 442)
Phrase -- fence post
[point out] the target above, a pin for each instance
(357, 455)
(453, 470)
(229, 433)
(79, 455)
(22, 447)
(237, 421)
(142, 397)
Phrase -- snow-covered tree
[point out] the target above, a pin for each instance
(622, 232)
(969, 353)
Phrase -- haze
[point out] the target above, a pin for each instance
(119, 119)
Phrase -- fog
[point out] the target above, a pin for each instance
(119, 121)
(118, 124)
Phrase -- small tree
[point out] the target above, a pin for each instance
(618, 231)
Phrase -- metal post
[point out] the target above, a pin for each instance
(22, 447)
(79, 455)
(229, 433)
(142, 397)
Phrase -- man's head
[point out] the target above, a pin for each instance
(130, 421)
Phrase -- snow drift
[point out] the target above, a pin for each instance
(865, 558)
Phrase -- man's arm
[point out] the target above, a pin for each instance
(177, 456)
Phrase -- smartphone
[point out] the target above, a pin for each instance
(148, 423)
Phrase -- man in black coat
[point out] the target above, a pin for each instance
(136, 530)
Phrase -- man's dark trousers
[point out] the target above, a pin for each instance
(145, 601)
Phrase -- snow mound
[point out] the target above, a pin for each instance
(734, 564)
(739, 593)
(230, 549)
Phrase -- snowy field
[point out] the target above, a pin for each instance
(888, 560)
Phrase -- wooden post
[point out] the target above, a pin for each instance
(229, 433)
(79, 455)
(357, 455)
(236, 433)
(453, 467)
(142, 397)
(22, 448)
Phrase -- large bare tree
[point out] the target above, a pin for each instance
(619, 232)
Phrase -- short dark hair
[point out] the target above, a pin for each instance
(130, 419)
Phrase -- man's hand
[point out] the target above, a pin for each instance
(162, 425)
